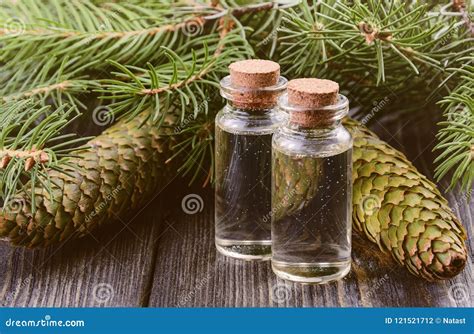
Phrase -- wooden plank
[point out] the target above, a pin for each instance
(111, 268)
(189, 272)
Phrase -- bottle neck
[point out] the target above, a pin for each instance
(314, 121)
(312, 131)
(252, 100)
(247, 111)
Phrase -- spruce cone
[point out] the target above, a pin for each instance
(122, 168)
(288, 172)
(402, 211)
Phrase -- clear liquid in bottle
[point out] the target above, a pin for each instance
(311, 229)
(243, 194)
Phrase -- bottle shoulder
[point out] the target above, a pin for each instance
(316, 143)
(231, 120)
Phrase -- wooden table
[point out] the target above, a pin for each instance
(166, 258)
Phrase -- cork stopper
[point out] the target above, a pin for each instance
(312, 93)
(254, 73)
(250, 77)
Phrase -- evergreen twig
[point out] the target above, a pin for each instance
(32, 141)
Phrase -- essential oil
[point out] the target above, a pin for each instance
(244, 131)
(312, 185)
(243, 196)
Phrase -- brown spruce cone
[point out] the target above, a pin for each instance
(122, 168)
(400, 210)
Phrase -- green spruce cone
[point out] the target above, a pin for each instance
(400, 210)
(291, 173)
(123, 167)
(393, 205)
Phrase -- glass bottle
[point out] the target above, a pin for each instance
(312, 190)
(243, 160)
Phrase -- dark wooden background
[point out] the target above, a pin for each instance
(166, 258)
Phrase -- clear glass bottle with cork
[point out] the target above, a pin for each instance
(312, 184)
(244, 131)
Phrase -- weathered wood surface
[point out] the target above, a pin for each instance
(190, 273)
(170, 260)
(112, 268)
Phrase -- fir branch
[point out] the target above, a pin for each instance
(367, 35)
(31, 141)
(122, 32)
(197, 148)
(456, 138)
(156, 50)
(378, 49)
(125, 33)
(179, 78)
(186, 80)
(50, 85)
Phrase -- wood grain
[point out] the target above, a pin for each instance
(190, 273)
(111, 268)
